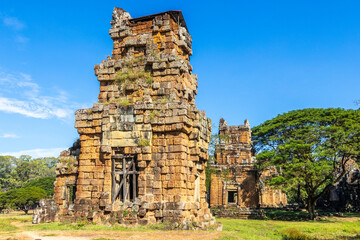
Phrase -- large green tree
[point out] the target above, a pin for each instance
(46, 183)
(15, 172)
(22, 198)
(310, 147)
(7, 180)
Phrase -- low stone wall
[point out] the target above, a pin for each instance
(237, 212)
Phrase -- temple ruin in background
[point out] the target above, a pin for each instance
(237, 189)
(144, 145)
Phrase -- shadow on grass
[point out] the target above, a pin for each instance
(282, 215)
(357, 237)
(350, 214)
(296, 234)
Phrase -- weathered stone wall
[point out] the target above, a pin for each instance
(146, 110)
(46, 212)
(270, 196)
(242, 180)
(235, 182)
(66, 176)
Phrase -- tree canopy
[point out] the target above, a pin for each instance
(22, 198)
(310, 147)
(15, 172)
(45, 183)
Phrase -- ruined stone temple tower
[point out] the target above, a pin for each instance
(144, 145)
(237, 190)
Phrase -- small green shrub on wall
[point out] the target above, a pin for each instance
(131, 75)
(143, 142)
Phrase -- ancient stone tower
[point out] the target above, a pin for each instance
(236, 187)
(144, 145)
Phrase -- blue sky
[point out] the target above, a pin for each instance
(255, 59)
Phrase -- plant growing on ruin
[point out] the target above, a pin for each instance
(147, 76)
(149, 80)
(125, 213)
(131, 74)
(310, 147)
(214, 139)
(138, 59)
(165, 99)
(89, 111)
(143, 142)
(153, 114)
(120, 77)
(223, 137)
(226, 174)
(208, 171)
(124, 102)
(121, 101)
(69, 162)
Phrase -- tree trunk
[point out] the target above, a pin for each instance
(298, 196)
(311, 209)
(26, 211)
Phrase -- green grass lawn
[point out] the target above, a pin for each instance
(347, 227)
(293, 227)
(7, 219)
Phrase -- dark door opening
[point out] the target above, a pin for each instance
(232, 196)
(71, 193)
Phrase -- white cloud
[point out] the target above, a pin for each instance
(29, 101)
(25, 108)
(8, 135)
(13, 23)
(36, 153)
(16, 26)
(21, 39)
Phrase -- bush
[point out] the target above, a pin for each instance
(46, 183)
(295, 234)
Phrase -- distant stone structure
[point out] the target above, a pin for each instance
(237, 189)
(144, 145)
(344, 196)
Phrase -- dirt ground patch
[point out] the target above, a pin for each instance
(92, 235)
(22, 222)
